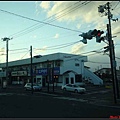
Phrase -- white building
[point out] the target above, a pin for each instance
(67, 68)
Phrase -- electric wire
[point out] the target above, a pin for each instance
(116, 33)
(17, 49)
(18, 52)
(76, 57)
(116, 5)
(98, 62)
(61, 45)
(39, 21)
(71, 10)
(51, 47)
(24, 55)
(43, 20)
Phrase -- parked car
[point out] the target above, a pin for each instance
(81, 84)
(36, 87)
(73, 88)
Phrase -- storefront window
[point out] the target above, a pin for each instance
(57, 63)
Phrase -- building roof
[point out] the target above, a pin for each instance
(44, 58)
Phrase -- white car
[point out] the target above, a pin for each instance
(36, 87)
(73, 88)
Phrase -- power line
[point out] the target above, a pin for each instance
(80, 57)
(43, 20)
(61, 46)
(18, 52)
(39, 21)
(76, 57)
(48, 37)
(116, 5)
(71, 10)
(97, 62)
(25, 54)
(51, 47)
(116, 33)
(18, 49)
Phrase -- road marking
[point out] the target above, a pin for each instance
(6, 94)
(74, 99)
(103, 91)
(48, 94)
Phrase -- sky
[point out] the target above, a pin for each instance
(54, 26)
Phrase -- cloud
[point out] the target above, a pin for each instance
(2, 50)
(115, 28)
(56, 36)
(43, 49)
(84, 11)
(78, 48)
(103, 60)
(78, 26)
(45, 5)
(64, 11)
(37, 8)
(33, 36)
(70, 11)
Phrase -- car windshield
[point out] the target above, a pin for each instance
(75, 86)
(28, 84)
(35, 84)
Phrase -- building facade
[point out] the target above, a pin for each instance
(60, 68)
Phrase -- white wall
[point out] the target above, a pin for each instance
(93, 78)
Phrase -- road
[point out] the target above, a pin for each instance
(17, 103)
(44, 106)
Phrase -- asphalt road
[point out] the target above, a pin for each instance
(16, 104)
(44, 106)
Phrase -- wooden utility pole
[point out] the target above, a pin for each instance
(31, 69)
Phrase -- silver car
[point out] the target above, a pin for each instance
(73, 88)
(36, 87)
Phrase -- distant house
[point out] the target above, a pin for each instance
(106, 73)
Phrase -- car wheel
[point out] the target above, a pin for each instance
(76, 91)
(40, 90)
(64, 89)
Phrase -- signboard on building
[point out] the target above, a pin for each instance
(56, 70)
(19, 73)
(43, 71)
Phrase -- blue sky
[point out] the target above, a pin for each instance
(66, 20)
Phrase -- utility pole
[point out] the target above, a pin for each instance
(102, 10)
(48, 78)
(53, 75)
(112, 63)
(6, 39)
(31, 69)
(113, 52)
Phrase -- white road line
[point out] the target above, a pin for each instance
(48, 94)
(103, 91)
(6, 94)
(74, 99)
